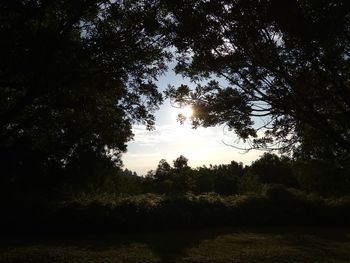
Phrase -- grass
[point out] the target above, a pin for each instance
(279, 244)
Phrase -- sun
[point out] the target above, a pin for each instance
(186, 111)
(182, 115)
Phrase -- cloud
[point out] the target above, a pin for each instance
(176, 134)
(201, 146)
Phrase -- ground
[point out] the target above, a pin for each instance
(273, 244)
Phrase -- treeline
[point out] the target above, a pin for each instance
(273, 190)
(317, 177)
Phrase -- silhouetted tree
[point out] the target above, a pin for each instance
(284, 61)
(74, 76)
(204, 180)
(272, 169)
(227, 178)
(163, 170)
(323, 177)
(163, 177)
(181, 163)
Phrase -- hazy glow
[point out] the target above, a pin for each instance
(202, 146)
(175, 112)
(186, 111)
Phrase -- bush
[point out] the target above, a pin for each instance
(276, 206)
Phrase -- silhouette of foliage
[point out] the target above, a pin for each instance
(276, 206)
(284, 61)
(319, 177)
(271, 169)
(74, 76)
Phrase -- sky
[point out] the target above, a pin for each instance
(170, 139)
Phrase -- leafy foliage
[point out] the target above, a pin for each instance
(271, 169)
(74, 76)
(277, 206)
(284, 61)
(317, 177)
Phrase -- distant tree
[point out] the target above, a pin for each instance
(163, 170)
(284, 61)
(183, 179)
(272, 169)
(74, 76)
(127, 172)
(322, 177)
(127, 185)
(162, 178)
(172, 180)
(204, 180)
(181, 163)
(227, 178)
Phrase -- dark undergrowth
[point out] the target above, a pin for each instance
(276, 206)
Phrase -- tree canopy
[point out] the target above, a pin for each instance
(74, 76)
(286, 64)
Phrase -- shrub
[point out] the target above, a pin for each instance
(276, 206)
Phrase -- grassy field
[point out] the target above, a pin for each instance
(288, 244)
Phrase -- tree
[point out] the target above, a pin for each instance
(181, 163)
(286, 62)
(272, 169)
(163, 170)
(74, 76)
(182, 176)
(171, 180)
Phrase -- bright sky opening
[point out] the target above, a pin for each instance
(170, 139)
